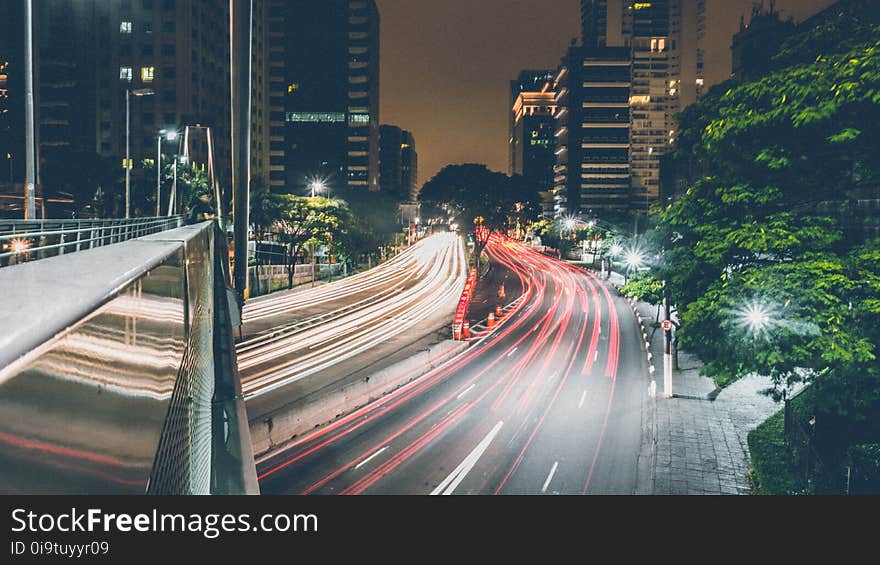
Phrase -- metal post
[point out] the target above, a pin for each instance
(30, 193)
(127, 153)
(667, 351)
(172, 202)
(159, 175)
(241, 12)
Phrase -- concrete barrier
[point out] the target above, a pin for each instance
(275, 431)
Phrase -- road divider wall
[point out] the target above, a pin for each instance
(274, 432)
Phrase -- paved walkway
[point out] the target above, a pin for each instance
(699, 443)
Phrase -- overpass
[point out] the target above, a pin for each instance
(117, 362)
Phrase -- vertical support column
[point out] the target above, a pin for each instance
(241, 14)
(30, 131)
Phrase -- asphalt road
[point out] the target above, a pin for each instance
(302, 342)
(553, 401)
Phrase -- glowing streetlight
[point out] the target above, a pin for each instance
(634, 260)
(755, 318)
(317, 186)
(19, 246)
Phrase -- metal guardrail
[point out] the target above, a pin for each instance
(27, 240)
(118, 372)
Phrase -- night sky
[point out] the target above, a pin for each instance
(447, 65)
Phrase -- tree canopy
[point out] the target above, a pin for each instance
(469, 191)
(756, 256)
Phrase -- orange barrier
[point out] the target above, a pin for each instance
(490, 322)
(498, 312)
(466, 330)
(463, 304)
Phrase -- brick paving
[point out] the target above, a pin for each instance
(699, 444)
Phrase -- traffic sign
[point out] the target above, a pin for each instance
(666, 325)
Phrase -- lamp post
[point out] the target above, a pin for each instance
(30, 183)
(128, 92)
(317, 186)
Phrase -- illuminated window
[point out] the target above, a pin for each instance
(125, 27)
(359, 120)
(292, 87)
(653, 45)
(315, 117)
(661, 45)
(125, 73)
(147, 74)
(358, 80)
(358, 50)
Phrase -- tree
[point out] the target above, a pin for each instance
(469, 191)
(309, 222)
(765, 278)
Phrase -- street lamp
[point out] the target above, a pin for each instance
(317, 186)
(756, 318)
(128, 92)
(634, 259)
(30, 132)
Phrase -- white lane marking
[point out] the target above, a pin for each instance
(450, 483)
(581, 403)
(465, 391)
(512, 351)
(550, 476)
(596, 356)
(370, 458)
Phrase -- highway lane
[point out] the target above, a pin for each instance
(554, 400)
(322, 331)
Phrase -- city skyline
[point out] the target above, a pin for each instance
(421, 62)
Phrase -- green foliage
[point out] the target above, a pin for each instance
(468, 191)
(772, 470)
(646, 287)
(305, 222)
(748, 232)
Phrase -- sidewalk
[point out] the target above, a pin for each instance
(699, 444)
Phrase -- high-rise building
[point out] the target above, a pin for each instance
(180, 51)
(260, 141)
(533, 140)
(592, 130)
(398, 163)
(409, 166)
(527, 81)
(324, 93)
(12, 151)
(90, 52)
(653, 51)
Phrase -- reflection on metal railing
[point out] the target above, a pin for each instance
(26, 240)
(117, 372)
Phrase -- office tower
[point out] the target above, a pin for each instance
(398, 163)
(533, 140)
(662, 43)
(527, 81)
(592, 130)
(324, 94)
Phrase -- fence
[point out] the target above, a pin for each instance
(265, 279)
(801, 428)
(118, 371)
(26, 240)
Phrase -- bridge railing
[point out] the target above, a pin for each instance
(118, 371)
(26, 240)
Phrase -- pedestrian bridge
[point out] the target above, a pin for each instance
(118, 371)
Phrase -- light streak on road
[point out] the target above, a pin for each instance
(546, 348)
(402, 293)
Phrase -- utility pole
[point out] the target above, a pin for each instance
(30, 183)
(242, 36)
(667, 345)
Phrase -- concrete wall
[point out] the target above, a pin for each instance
(271, 433)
